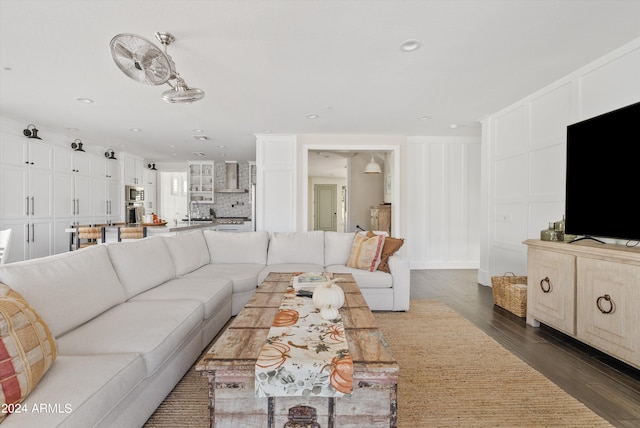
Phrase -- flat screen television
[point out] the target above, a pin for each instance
(603, 176)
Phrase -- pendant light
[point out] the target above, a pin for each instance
(372, 167)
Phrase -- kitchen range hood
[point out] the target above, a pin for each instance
(232, 178)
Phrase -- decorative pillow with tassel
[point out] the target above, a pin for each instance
(366, 252)
(27, 348)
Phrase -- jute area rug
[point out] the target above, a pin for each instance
(451, 375)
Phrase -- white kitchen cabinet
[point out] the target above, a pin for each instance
(150, 190)
(30, 238)
(133, 170)
(26, 199)
(201, 179)
(588, 290)
(72, 183)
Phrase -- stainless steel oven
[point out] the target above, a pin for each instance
(133, 194)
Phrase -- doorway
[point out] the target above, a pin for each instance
(325, 207)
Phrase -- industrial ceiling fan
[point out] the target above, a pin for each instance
(142, 61)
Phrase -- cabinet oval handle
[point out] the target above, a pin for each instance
(548, 287)
(606, 298)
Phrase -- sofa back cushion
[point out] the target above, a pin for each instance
(142, 264)
(297, 247)
(188, 251)
(66, 289)
(247, 247)
(337, 247)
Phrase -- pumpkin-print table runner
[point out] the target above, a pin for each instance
(304, 355)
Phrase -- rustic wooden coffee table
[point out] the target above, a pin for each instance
(230, 368)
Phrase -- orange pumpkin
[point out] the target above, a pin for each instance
(341, 377)
(286, 318)
(273, 355)
(335, 332)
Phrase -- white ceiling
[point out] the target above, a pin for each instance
(266, 65)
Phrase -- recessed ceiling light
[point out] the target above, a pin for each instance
(453, 126)
(201, 137)
(312, 116)
(410, 45)
(424, 117)
(135, 129)
(198, 154)
(85, 100)
(198, 131)
(221, 146)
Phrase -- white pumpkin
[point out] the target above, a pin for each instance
(329, 312)
(329, 294)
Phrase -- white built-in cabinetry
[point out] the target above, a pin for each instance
(107, 197)
(46, 187)
(133, 170)
(201, 178)
(26, 199)
(149, 182)
(589, 291)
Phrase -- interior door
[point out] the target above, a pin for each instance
(325, 217)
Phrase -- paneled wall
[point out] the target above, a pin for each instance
(524, 155)
(443, 202)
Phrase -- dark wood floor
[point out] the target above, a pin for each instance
(605, 385)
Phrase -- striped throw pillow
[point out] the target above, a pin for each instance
(366, 252)
(27, 348)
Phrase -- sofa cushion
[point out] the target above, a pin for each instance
(27, 349)
(161, 327)
(84, 389)
(337, 247)
(364, 278)
(67, 289)
(142, 264)
(296, 247)
(214, 293)
(244, 276)
(365, 252)
(188, 251)
(248, 247)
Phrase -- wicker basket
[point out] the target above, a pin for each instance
(510, 293)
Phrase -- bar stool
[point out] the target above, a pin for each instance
(137, 232)
(88, 235)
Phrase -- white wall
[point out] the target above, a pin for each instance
(524, 150)
(443, 202)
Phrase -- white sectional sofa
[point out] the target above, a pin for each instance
(130, 318)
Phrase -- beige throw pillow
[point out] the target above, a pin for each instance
(27, 349)
(365, 252)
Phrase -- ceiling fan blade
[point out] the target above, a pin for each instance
(122, 50)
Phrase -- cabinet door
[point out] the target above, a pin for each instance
(19, 245)
(99, 198)
(115, 200)
(82, 191)
(609, 307)
(14, 201)
(41, 193)
(40, 155)
(64, 199)
(551, 291)
(41, 238)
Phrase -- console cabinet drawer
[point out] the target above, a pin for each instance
(608, 307)
(551, 291)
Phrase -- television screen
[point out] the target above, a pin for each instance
(603, 175)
